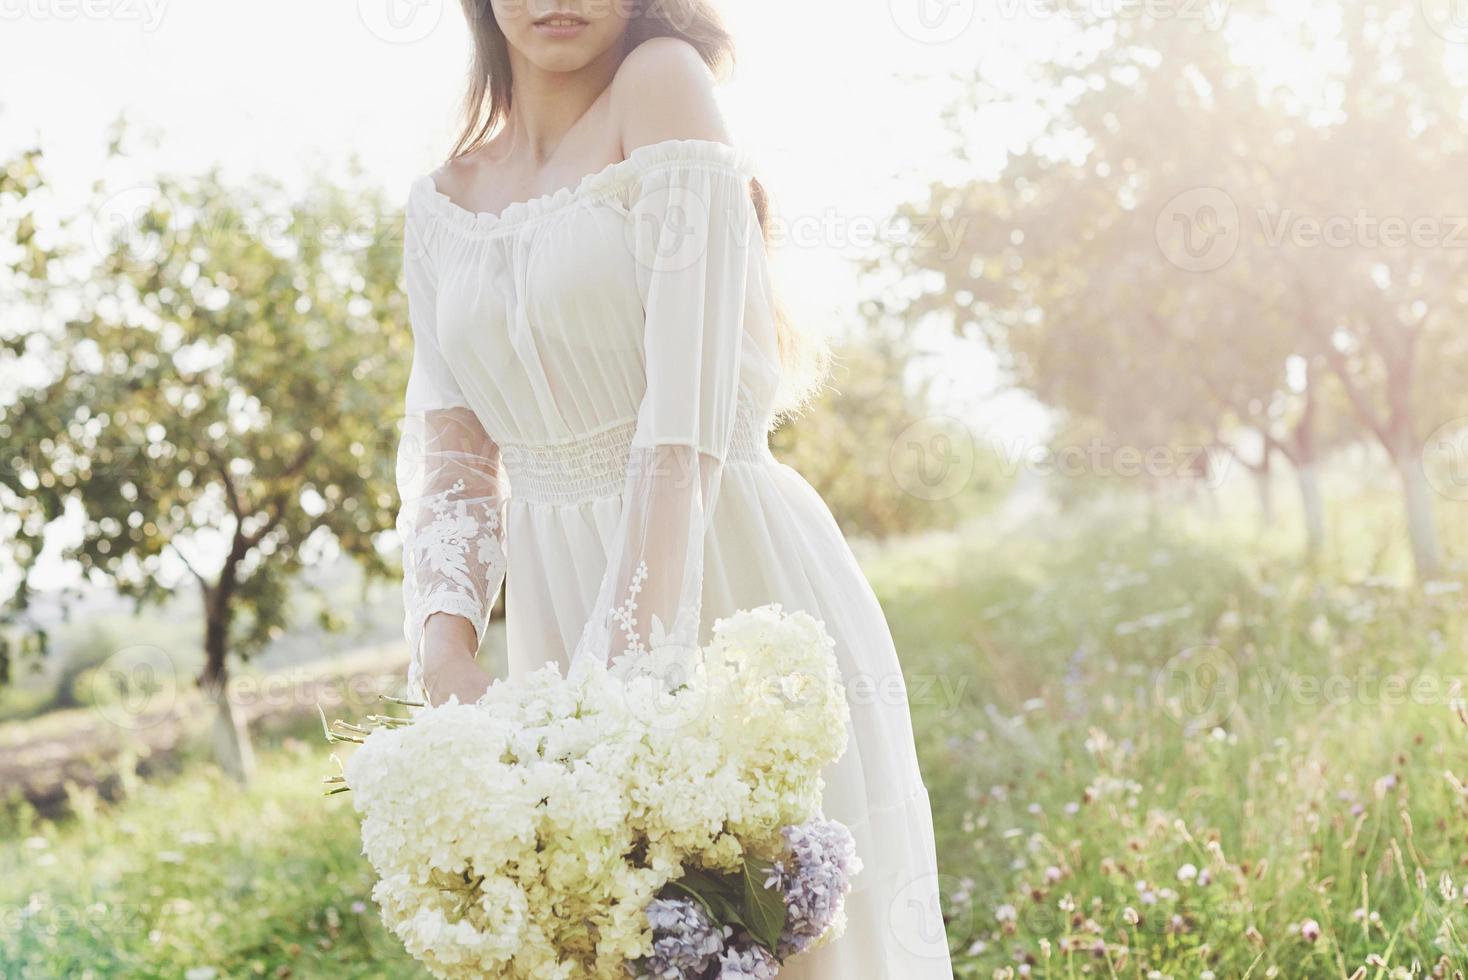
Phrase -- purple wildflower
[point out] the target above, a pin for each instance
(685, 941)
(815, 877)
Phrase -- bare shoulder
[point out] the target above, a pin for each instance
(463, 176)
(664, 91)
(455, 177)
(662, 59)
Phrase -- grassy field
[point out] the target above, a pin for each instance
(1151, 754)
(1176, 761)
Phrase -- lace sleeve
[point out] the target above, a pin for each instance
(696, 237)
(450, 486)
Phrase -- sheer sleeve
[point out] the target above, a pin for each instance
(451, 491)
(696, 236)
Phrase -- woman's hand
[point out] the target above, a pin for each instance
(449, 668)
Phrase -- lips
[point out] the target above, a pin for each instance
(561, 20)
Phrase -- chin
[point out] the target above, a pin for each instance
(560, 56)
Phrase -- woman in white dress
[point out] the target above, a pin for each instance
(597, 362)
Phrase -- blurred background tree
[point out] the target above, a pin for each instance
(1240, 249)
(25, 265)
(212, 403)
(850, 443)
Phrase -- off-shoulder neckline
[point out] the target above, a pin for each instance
(671, 151)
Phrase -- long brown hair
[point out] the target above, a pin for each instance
(803, 359)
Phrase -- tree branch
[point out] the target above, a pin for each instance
(1357, 397)
(190, 566)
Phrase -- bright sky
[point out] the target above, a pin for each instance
(841, 104)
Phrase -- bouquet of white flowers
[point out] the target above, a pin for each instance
(659, 818)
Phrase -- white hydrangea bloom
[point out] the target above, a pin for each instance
(524, 836)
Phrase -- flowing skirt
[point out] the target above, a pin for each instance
(774, 540)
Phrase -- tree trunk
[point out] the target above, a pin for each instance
(230, 737)
(1421, 528)
(1313, 508)
(1303, 455)
(230, 734)
(1264, 486)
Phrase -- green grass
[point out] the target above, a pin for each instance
(1080, 759)
(1110, 804)
(197, 874)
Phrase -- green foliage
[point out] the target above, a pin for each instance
(72, 688)
(849, 444)
(764, 909)
(24, 253)
(737, 899)
(219, 383)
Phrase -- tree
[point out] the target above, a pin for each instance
(853, 444)
(1384, 303)
(216, 404)
(1155, 254)
(26, 262)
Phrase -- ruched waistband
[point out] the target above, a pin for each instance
(595, 465)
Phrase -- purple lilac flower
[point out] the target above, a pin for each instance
(685, 941)
(751, 962)
(815, 877)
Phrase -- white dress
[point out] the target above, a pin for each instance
(588, 407)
